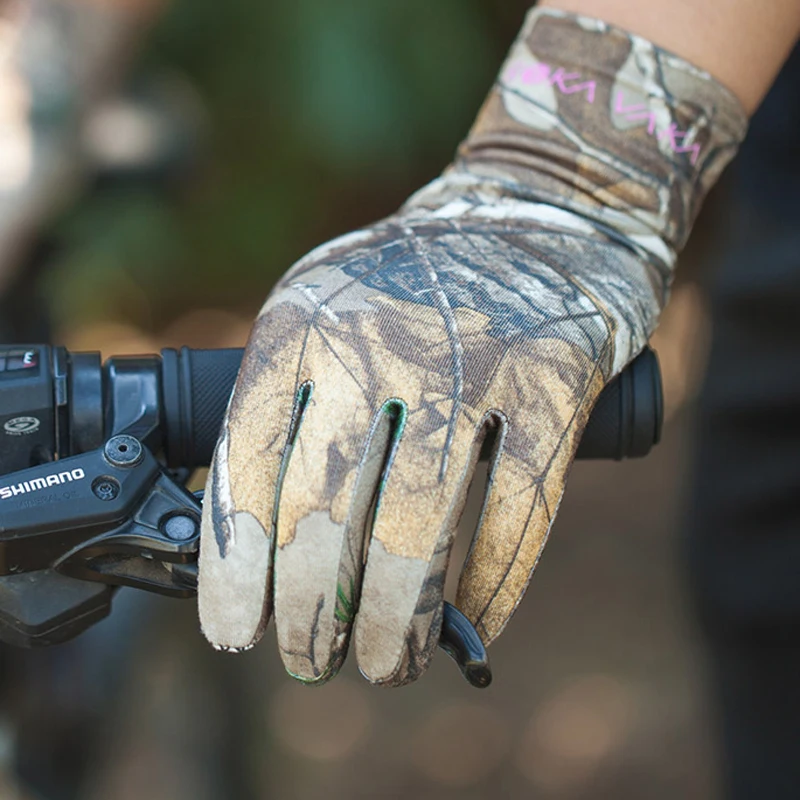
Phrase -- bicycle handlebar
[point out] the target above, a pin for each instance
(99, 517)
(625, 423)
(55, 404)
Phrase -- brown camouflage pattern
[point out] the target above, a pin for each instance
(497, 302)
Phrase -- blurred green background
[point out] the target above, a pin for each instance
(321, 117)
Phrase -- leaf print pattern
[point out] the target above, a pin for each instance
(496, 303)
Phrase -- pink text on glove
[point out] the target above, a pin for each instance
(573, 82)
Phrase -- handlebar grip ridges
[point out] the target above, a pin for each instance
(205, 379)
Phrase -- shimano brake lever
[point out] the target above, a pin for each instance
(114, 516)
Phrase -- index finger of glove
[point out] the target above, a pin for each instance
(234, 589)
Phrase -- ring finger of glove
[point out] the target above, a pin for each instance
(421, 500)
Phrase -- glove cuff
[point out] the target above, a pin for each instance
(604, 123)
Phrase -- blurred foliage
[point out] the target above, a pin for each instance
(322, 117)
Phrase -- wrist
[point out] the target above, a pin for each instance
(590, 118)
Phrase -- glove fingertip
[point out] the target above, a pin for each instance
(234, 600)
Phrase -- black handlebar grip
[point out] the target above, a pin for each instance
(196, 385)
(627, 418)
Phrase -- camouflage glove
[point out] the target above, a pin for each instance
(502, 297)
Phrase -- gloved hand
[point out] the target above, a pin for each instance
(502, 298)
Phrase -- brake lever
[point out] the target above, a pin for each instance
(114, 516)
(163, 529)
(92, 516)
